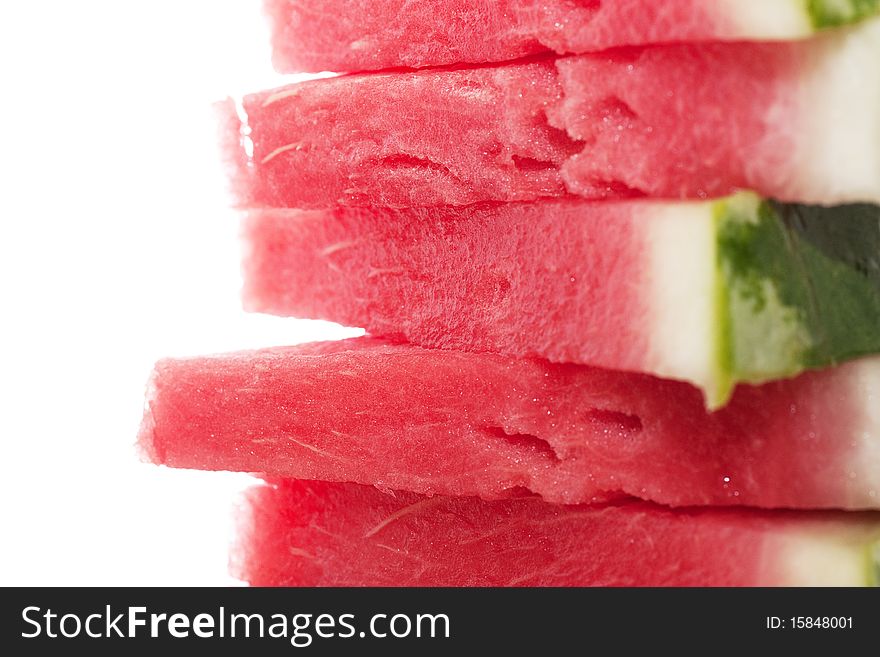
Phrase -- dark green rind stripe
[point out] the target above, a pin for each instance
(834, 13)
(838, 251)
(798, 288)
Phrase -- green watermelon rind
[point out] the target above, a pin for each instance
(836, 13)
(797, 287)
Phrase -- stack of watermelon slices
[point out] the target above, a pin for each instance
(620, 273)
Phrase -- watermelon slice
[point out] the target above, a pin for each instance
(794, 121)
(353, 35)
(324, 534)
(432, 421)
(710, 292)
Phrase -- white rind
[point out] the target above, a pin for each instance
(830, 556)
(863, 474)
(680, 244)
(763, 19)
(839, 158)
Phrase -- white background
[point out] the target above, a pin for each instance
(117, 248)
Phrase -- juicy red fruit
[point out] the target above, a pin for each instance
(677, 121)
(324, 534)
(455, 423)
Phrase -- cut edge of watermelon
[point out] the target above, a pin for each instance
(146, 443)
(235, 149)
(245, 507)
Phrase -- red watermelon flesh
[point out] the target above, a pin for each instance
(353, 35)
(454, 423)
(794, 121)
(475, 278)
(325, 534)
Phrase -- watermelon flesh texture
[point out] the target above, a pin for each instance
(454, 423)
(666, 288)
(793, 121)
(330, 534)
(475, 278)
(354, 35)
